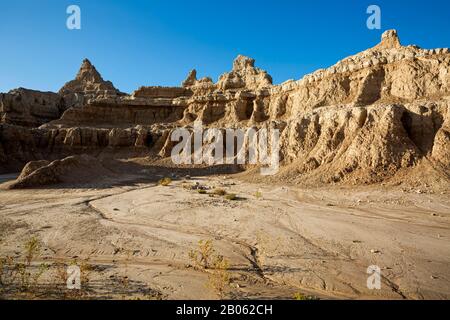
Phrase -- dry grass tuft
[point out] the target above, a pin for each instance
(231, 197)
(206, 259)
(165, 182)
(220, 192)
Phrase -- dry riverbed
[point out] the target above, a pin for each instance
(138, 241)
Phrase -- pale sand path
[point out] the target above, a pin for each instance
(290, 240)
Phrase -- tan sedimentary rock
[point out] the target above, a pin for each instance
(32, 166)
(362, 120)
(389, 40)
(72, 169)
(30, 108)
(244, 75)
(441, 142)
(87, 84)
(190, 80)
(161, 92)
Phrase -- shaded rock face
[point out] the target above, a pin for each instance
(161, 92)
(19, 145)
(362, 120)
(88, 84)
(72, 169)
(30, 108)
(108, 115)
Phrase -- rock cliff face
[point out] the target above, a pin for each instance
(30, 108)
(363, 120)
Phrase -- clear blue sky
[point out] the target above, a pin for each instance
(153, 42)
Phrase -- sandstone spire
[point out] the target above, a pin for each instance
(191, 79)
(88, 73)
(389, 40)
(87, 84)
(245, 75)
(242, 62)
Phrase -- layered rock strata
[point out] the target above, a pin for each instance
(361, 120)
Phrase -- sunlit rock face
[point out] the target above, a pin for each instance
(87, 84)
(361, 120)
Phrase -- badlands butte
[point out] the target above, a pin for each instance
(363, 180)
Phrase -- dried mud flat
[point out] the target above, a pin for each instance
(279, 240)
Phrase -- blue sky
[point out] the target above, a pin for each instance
(153, 42)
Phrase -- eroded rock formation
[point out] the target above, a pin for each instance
(87, 84)
(72, 169)
(30, 108)
(361, 120)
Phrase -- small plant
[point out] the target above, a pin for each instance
(28, 280)
(61, 276)
(301, 297)
(220, 192)
(165, 182)
(85, 275)
(22, 275)
(206, 259)
(202, 257)
(231, 197)
(219, 279)
(201, 191)
(258, 195)
(7, 267)
(186, 186)
(85, 269)
(32, 248)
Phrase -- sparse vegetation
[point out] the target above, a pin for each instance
(301, 297)
(201, 191)
(61, 277)
(220, 192)
(22, 276)
(201, 258)
(258, 195)
(6, 270)
(165, 182)
(32, 247)
(219, 278)
(206, 259)
(231, 197)
(186, 186)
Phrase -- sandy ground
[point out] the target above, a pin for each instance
(283, 240)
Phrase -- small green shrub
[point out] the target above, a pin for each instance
(301, 297)
(165, 182)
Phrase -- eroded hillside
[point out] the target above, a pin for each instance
(363, 120)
